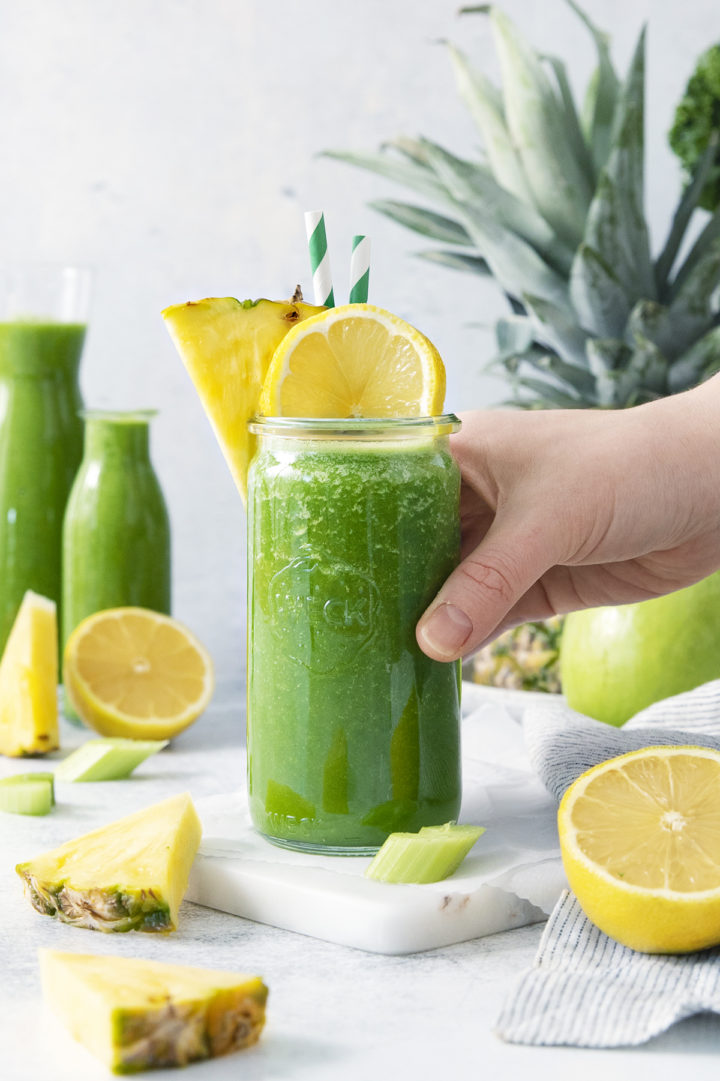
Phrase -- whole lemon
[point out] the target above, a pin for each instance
(616, 661)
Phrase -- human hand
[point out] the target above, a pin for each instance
(568, 509)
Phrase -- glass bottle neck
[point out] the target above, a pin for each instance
(114, 438)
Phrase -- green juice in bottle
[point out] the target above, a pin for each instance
(116, 534)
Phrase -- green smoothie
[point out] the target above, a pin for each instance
(352, 731)
(116, 538)
(40, 450)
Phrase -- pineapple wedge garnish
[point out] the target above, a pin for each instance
(134, 1015)
(28, 680)
(128, 876)
(226, 346)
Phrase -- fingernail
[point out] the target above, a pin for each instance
(446, 630)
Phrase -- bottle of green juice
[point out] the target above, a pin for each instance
(43, 311)
(116, 534)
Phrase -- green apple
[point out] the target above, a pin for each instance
(615, 661)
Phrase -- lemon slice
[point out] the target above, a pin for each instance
(136, 673)
(354, 361)
(640, 842)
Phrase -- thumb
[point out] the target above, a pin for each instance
(480, 592)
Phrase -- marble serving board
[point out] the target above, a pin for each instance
(511, 878)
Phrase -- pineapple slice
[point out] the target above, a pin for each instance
(135, 1014)
(226, 346)
(128, 876)
(28, 681)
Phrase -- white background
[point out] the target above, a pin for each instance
(173, 145)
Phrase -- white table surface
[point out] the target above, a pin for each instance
(334, 1014)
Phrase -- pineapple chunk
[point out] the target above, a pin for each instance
(128, 876)
(226, 346)
(28, 680)
(135, 1014)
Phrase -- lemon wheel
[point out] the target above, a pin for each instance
(356, 360)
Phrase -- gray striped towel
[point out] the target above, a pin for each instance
(584, 989)
(562, 744)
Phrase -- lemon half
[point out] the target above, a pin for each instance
(355, 360)
(136, 673)
(640, 842)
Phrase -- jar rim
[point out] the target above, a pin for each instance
(445, 424)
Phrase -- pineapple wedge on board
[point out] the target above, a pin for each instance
(28, 680)
(134, 1015)
(226, 346)
(128, 876)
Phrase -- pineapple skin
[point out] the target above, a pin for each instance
(99, 882)
(136, 1015)
(28, 681)
(525, 658)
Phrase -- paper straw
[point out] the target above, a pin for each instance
(360, 269)
(319, 258)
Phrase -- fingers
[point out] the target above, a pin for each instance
(476, 598)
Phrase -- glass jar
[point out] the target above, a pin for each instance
(353, 732)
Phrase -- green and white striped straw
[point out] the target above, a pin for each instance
(319, 258)
(360, 270)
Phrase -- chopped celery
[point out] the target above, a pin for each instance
(27, 794)
(106, 759)
(428, 856)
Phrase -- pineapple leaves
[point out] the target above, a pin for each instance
(546, 395)
(560, 188)
(469, 184)
(516, 265)
(699, 362)
(682, 216)
(409, 173)
(567, 374)
(650, 320)
(625, 376)
(425, 222)
(601, 95)
(615, 226)
(514, 336)
(600, 301)
(572, 121)
(697, 253)
(696, 295)
(485, 105)
(456, 260)
(556, 329)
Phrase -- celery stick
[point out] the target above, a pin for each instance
(106, 759)
(27, 794)
(428, 856)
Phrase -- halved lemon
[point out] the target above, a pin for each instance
(640, 842)
(136, 673)
(354, 361)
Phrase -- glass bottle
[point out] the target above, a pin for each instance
(116, 535)
(353, 732)
(42, 329)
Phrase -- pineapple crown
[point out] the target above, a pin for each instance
(554, 212)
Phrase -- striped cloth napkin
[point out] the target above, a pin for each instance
(584, 989)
